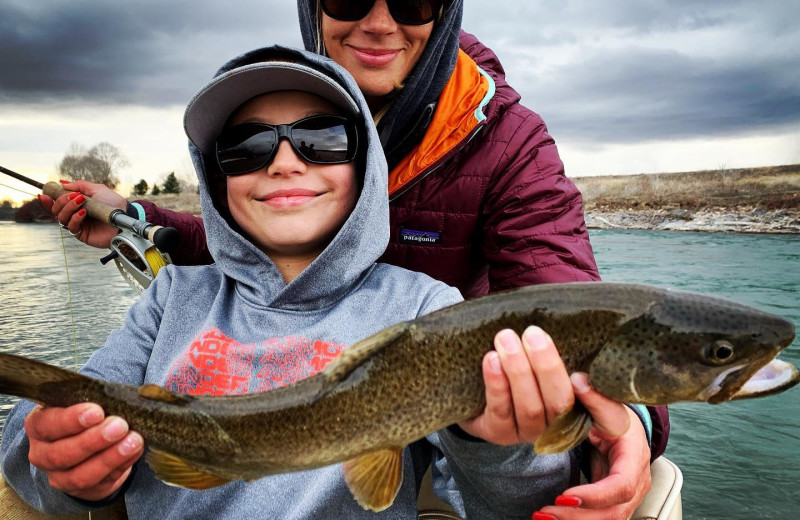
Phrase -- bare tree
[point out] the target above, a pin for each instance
(98, 164)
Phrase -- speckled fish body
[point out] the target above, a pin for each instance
(639, 344)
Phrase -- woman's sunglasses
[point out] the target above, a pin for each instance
(406, 12)
(323, 139)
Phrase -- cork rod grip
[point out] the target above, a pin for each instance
(94, 209)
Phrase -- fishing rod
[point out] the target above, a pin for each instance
(140, 248)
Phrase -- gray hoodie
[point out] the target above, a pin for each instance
(236, 327)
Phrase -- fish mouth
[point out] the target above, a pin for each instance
(773, 378)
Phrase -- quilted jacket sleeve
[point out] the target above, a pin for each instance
(192, 249)
(534, 227)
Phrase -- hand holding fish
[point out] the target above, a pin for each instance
(67, 210)
(84, 454)
(620, 467)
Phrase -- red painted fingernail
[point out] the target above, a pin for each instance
(568, 501)
(39, 197)
(538, 515)
(62, 181)
(72, 195)
(79, 199)
(82, 212)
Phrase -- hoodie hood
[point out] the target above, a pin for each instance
(404, 124)
(352, 252)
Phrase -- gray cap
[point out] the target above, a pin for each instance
(209, 109)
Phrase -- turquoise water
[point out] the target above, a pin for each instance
(739, 460)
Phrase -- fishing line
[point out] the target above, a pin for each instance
(69, 299)
(17, 189)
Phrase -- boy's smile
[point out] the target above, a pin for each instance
(291, 209)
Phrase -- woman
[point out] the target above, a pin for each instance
(478, 199)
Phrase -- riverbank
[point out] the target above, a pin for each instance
(755, 220)
(747, 200)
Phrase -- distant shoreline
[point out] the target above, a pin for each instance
(707, 220)
(746, 200)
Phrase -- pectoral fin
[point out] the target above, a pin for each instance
(375, 478)
(567, 431)
(177, 472)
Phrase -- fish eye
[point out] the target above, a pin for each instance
(720, 351)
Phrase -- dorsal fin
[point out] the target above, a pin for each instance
(156, 393)
(352, 357)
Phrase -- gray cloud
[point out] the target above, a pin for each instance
(136, 52)
(614, 71)
(641, 71)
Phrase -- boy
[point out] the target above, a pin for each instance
(293, 191)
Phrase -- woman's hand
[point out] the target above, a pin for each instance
(68, 210)
(84, 454)
(620, 466)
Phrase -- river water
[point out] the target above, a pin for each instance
(739, 460)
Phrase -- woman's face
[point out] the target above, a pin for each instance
(376, 50)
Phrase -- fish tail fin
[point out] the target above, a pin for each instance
(37, 381)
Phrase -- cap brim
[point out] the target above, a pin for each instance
(210, 108)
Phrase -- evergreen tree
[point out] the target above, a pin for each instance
(140, 189)
(171, 184)
(156, 190)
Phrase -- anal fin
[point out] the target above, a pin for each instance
(375, 478)
(177, 472)
(567, 431)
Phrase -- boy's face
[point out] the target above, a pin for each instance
(291, 208)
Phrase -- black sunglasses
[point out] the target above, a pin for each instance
(406, 12)
(322, 139)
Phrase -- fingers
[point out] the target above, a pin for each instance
(611, 417)
(68, 210)
(527, 386)
(616, 492)
(528, 405)
(52, 424)
(95, 476)
(550, 372)
(82, 452)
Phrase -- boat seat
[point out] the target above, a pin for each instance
(663, 502)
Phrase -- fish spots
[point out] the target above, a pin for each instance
(214, 364)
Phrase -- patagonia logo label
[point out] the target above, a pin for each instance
(420, 237)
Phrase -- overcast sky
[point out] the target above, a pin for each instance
(637, 86)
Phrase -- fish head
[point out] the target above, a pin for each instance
(690, 347)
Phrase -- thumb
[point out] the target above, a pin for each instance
(609, 416)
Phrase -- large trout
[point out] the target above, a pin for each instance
(638, 344)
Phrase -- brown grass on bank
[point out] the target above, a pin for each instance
(186, 202)
(771, 188)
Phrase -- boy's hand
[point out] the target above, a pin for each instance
(84, 454)
(68, 211)
(527, 386)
